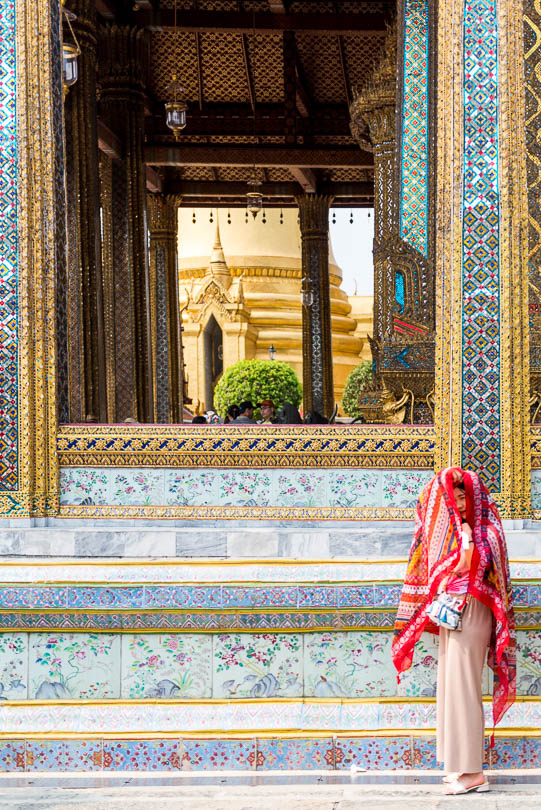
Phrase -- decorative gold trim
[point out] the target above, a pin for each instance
(389, 446)
(236, 512)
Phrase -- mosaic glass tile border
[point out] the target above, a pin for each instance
(414, 163)
(8, 260)
(481, 430)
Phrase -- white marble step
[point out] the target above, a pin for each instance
(377, 540)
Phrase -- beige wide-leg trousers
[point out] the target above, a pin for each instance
(460, 719)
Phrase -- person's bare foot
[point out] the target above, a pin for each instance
(468, 781)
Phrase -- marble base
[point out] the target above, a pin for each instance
(222, 540)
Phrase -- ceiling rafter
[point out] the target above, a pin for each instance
(270, 156)
(242, 22)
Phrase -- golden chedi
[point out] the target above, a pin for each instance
(240, 294)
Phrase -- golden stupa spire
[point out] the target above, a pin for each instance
(218, 265)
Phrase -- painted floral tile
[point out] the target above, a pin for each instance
(244, 488)
(354, 487)
(262, 665)
(83, 485)
(166, 666)
(401, 488)
(141, 755)
(137, 487)
(301, 488)
(191, 487)
(63, 755)
(12, 755)
(295, 755)
(421, 678)
(354, 664)
(74, 665)
(372, 754)
(529, 663)
(13, 666)
(536, 489)
(206, 755)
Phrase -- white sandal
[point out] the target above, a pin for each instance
(450, 778)
(457, 788)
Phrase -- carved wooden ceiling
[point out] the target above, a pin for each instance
(268, 83)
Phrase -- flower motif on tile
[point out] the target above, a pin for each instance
(257, 666)
(143, 487)
(301, 488)
(83, 485)
(190, 487)
(536, 489)
(78, 665)
(166, 666)
(13, 666)
(355, 664)
(244, 488)
(420, 679)
(529, 663)
(354, 487)
(402, 488)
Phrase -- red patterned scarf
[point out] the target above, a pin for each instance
(435, 552)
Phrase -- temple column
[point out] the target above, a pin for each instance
(84, 305)
(318, 390)
(164, 308)
(482, 346)
(373, 125)
(122, 83)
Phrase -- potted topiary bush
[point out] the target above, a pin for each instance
(256, 380)
(358, 380)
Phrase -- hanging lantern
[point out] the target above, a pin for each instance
(70, 70)
(272, 352)
(254, 202)
(70, 54)
(175, 110)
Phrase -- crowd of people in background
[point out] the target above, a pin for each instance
(243, 414)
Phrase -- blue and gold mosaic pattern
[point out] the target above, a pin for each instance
(8, 254)
(414, 169)
(481, 430)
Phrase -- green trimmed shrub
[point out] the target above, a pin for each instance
(257, 380)
(360, 379)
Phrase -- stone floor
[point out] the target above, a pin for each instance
(291, 791)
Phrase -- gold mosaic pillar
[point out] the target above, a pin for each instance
(317, 373)
(31, 65)
(122, 60)
(167, 361)
(86, 353)
(482, 379)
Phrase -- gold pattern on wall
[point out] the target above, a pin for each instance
(395, 446)
(532, 67)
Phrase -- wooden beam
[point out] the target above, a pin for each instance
(223, 189)
(208, 124)
(108, 142)
(242, 22)
(278, 157)
(305, 178)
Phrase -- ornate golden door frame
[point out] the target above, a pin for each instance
(32, 483)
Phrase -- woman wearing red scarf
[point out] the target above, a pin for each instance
(452, 508)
